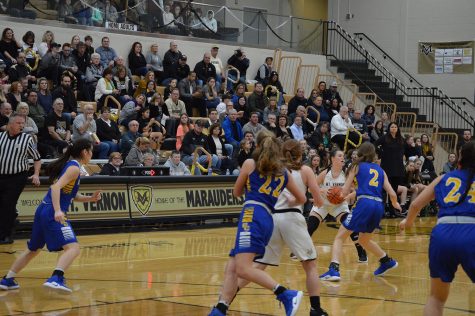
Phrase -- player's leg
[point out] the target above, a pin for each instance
(313, 288)
(333, 273)
(8, 281)
(386, 263)
(362, 256)
(229, 289)
(439, 291)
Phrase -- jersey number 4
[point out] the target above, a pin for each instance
(266, 188)
(454, 194)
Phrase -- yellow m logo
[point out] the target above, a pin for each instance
(142, 197)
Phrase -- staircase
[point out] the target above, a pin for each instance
(367, 81)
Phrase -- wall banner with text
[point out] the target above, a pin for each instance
(445, 57)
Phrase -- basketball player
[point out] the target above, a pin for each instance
(264, 177)
(367, 212)
(452, 240)
(50, 225)
(331, 177)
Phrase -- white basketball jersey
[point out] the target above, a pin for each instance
(329, 182)
(282, 202)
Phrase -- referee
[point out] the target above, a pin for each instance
(15, 148)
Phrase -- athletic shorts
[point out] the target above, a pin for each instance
(48, 231)
(255, 228)
(335, 210)
(365, 216)
(291, 229)
(452, 245)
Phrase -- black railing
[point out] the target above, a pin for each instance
(432, 102)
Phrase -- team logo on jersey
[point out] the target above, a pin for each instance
(142, 197)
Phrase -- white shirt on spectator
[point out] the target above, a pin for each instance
(339, 126)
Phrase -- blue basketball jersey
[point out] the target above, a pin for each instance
(449, 191)
(68, 192)
(370, 180)
(265, 189)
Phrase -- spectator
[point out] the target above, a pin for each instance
(322, 90)
(334, 108)
(233, 132)
(83, 60)
(243, 110)
(391, 147)
(313, 95)
(466, 137)
(120, 62)
(177, 167)
(49, 64)
(88, 41)
(84, 126)
(67, 62)
(30, 125)
(385, 119)
(36, 111)
(137, 61)
(93, 74)
(240, 92)
(306, 126)
(157, 107)
(137, 153)
(110, 12)
(322, 109)
(451, 164)
(211, 94)
(314, 164)
(168, 18)
(428, 154)
(107, 53)
(192, 140)
(321, 136)
(283, 130)
(46, 41)
(271, 123)
(105, 87)
(130, 110)
(369, 117)
(332, 93)
(170, 61)
(360, 125)
(83, 13)
(172, 85)
(151, 128)
(5, 113)
(142, 85)
(97, 17)
(65, 93)
(264, 70)
(192, 94)
(9, 46)
(296, 128)
(175, 106)
(284, 110)
(66, 11)
(239, 61)
(271, 109)
(195, 21)
(183, 128)
(298, 99)
(154, 62)
(378, 131)
(210, 23)
(15, 95)
(411, 152)
(218, 65)
(108, 131)
(205, 70)
(44, 96)
(181, 69)
(341, 126)
(112, 168)
(273, 87)
(258, 100)
(124, 85)
(215, 145)
(30, 49)
(21, 70)
(213, 116)
(253, 125)
(129, 138)
(59, 127)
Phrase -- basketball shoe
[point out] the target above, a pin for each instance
(57, 283)
(331, 275)
(8, 284)
(291, 300)
(385, 267)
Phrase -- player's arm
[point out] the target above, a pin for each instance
(299, 196)
(246, 169)
(96, 196)
(349, 181)
(391, 193)
(350, 196)
(427, 195)
(312, 184)
(320, 179)
(71, 174)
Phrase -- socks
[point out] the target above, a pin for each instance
(59, 272)
(279, 289)
(335, 266)
(385, 259)
(312, 224)
(315, 302)
(10, 274)
(355, 236)
(222, 307)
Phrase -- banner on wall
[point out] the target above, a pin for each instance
(445, 57)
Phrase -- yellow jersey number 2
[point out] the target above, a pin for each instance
(374, 180)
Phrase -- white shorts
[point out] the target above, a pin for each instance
(289, 228)
(333, 210)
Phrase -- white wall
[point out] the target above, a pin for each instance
(398, 25)
(123, 42)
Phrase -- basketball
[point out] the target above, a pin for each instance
(334, 195)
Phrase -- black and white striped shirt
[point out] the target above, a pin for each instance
(14, 153)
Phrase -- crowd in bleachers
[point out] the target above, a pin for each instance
(144, 110)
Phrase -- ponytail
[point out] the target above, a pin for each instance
(268, 154)
(73, 150)
(467, 162)
(293, 154)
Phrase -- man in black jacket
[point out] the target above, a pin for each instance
(170, 60)
(298, 99)
(193, 139)
(21, 70)
(65, 93)
(241, 63)
(205, 70)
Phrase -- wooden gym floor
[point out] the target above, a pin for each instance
(180, 273)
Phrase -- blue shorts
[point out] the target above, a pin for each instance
(365, 216)
(48, 231)
(451, 245)
(254, 230)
